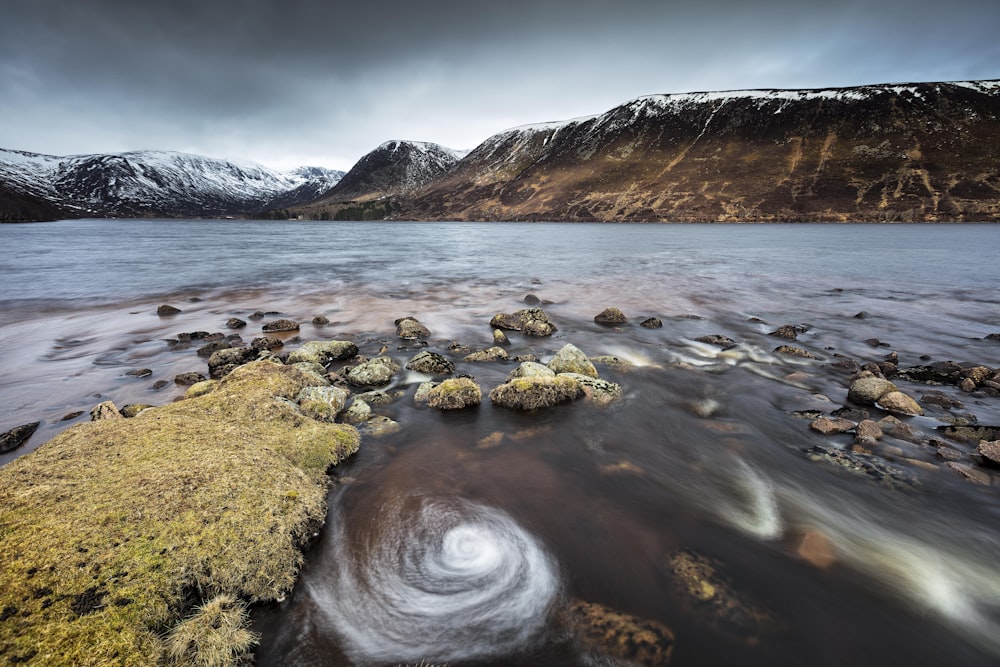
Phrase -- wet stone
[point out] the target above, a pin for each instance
(972, 474)
(864, 465)
(431, 363)
(166, 310)
(652, 323)
(320, 320)
(235, 323)
(408, 328)
(139, 372)
(17, 436)
(725, 342)
(792, 351)
(610, 316)
(990, 451)
(188, 379)
(831, 426)
(276, 326)
(267, 343)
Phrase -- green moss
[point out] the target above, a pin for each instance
(114, 530)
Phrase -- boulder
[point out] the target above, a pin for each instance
(530, 369)
(500, 338)
(598, 390)
(610, 637)
(900, 403)
(725, 342)
(489, 354)
(431, 363)
(652, 323)
(235, 323)
(167, 310)
(570, 359)
(373, 373)
(423, 392)
(358, 413)
(275, 326)
(105, 410)
(610, 316)
(530, 321)
(455, 394)
(529, 393)
(408, 328)
(323, 352)
(209, 349)
(990, 451)
(17, 436)
(868, 390)
(793, 351)
(187, 379)
(831, 426)
(322, 403)
(222, 362)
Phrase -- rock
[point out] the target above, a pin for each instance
(455, 394)
(608, 637)
(612, 361)
(186, 379)
(815, 548)
(201, 388)
(978, 374)
(869, 429)
(379, 398)
(258, 315)
(167, 310)
(786, 331)
(276, 326)
(408, 328)
(65, 418)
(828, 426)
(373, 373)
(320, 320)
(793, 351)
(423, 392)
(530, 321)
(947, 453)
(868, 390)
(652, 323)
(323, 352)
(863, 315)
(525, 357)
(431, 363)
(322, 403)
(600, 391)
(139, 372)
(267, 343)
(570, 359)
(222, 362)
(500, 338)
(315, 373)
(17, 436)
(897, 429)
(990, 451)
(531, 393)
(105, 410)
(530, 369)
(724, 342)
(865, 465)
(705, 408)
(489, 354)
(532, 300)
(159, 385)
(378, 427)
(940, 399)
(235, 323)
(972, 474)
(133, 409)
(899, 403)
(992, 336)
(358, 413)
(610, 316)
(968, 385)
(208, 350)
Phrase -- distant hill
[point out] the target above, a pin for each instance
(922, 152)
(148, 184)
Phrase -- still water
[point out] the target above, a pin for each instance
(465, 537)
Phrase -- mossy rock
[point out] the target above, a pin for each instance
(431, 363)
(114, 530)
(530, 369)
(323, 352)
(611, 637)
(599, 391)
(489, 354)
(455, 394)
(570, 359)
(373, 373)
(530, 393)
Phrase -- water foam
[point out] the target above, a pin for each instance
(758, 513)
(447, 580)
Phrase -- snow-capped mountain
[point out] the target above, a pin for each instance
(928, 151)
(157, 183)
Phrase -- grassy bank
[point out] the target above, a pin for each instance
(137, 541)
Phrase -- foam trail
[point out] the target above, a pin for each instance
(447, 580)
(758, 514)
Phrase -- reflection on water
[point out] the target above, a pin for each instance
(464, 537)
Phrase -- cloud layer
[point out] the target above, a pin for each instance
(289, 82)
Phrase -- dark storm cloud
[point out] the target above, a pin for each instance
(285, 81)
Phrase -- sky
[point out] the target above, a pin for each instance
(311, 82)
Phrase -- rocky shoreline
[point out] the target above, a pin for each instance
(140, 536)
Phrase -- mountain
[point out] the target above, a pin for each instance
(148, 183)
(922, 152)
(394, 169)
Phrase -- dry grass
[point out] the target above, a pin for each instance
(530, 393)
(114, 530)
(215, 636)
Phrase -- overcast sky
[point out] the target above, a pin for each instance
(292, 82)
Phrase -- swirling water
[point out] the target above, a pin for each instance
(461, 537)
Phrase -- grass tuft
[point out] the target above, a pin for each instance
(214, 636)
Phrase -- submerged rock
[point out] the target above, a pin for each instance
(789, 331)
(793, 351)
(608, 637)
(598, 390)
(530, 393)
(652, 323)
(865, 465)
(455, 394)
(408, 328)
(17, 436)
(431, 363)
(378, 427)
(570, 359)
(990, 451)
(725, 342)
(133, 409)
(828, 426)
(489, 354)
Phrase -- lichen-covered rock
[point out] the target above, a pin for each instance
(187, 379)
(408, 328)
(455, 394)
(266, 343)
(598, 390)
(17, 436)
(900, 403)
(652, 323)
(570, 359)
(358, 413)
(314, 372)
(608, 637)
(222, 362)
(167, 310)
(323, 352)
(377, 397)
(489, 354)
(530, 393)
(990, 451)
(320, 321)
(105, 410)
(868, 390)
(725, 342)
(322, 403)
(276, 326)
(788, 331)
(500, 338)
(378, 427)
(610, 316)
(423, 392)
(235, 323)
(865, 465)
(530, 321)
(530, 369)
(431, 363)
(831, 426)
(132, 409)
(373, 373)
(792, 351)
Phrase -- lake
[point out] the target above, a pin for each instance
(465, 537)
